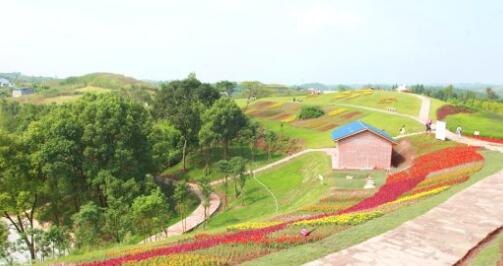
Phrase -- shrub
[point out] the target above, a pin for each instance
(308, 112)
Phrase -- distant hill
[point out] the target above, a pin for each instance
(17, 77)
(52, 90)
(106, 80)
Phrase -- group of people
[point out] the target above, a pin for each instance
(428, 124)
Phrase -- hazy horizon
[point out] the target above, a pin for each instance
(288, 42)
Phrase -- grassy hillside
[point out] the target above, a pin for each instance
(281, 114)
(489, 124)
(70, 89)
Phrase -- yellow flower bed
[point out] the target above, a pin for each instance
(343, 219)
(289, 119)
(252, 225)
(181, 260)
(417, 196)
(276, 104)
(336, 111)
(353, 94)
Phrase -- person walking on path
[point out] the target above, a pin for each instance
(428, 126)
(402, 130)
(459, 130)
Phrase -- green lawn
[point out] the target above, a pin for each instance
(427, 143)
(359, 178)
(489, 124)
(294, 184)
(312, 138)
(197, 161)
(305, 253)
(490, 254)
(435, 105)
(402, 102)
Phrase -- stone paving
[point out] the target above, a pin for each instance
(442, 236)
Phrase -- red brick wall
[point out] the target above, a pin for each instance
(364, 151)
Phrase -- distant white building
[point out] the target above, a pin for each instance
(402, 88)
(5, 83)
(314, 91)
(22, 92)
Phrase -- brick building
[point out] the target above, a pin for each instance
(362, 146)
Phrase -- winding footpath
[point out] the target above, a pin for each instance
(196, 218)
(443, 235)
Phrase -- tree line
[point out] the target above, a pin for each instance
(489, 101)
(87, 169)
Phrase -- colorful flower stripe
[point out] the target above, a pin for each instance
(493, 140)
(449, 183)
(324, 208)
(236, 237)
(336, 111)
(182, 260)
(343, 219)
(437, 161)
(402, 182)
(417, 196)
(460, 171)
(252, 225)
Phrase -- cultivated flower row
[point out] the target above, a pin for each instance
(343, 219)
(249, 240)
(252, 225)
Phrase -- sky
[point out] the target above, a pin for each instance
(289, 42)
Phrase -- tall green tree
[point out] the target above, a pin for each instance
(252, 89)
(239, 174)
(206, 191)
(226, 87)
(166, 144)
(21, 189)
(225, 168)
(491, 95)
(4, 243)
(150, 213)
(249, 136)
(87, 225)
(270, 139)
(225, 119)
(181, 195)
(181, 102)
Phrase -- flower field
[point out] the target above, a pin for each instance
(430, 174)
(288, 112)
(493, 140)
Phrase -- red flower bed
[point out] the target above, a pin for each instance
(440, 184)
(493, 140)
(402, 182)
(396, 185)
(446, 110)
(237, 237)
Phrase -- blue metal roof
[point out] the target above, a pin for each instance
(357, 127)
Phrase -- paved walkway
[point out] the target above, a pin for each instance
(196, 218)
(443, 235)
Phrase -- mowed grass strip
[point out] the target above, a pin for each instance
(305, 253)
(488, 124)
(294, 184)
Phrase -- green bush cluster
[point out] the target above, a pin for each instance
(308, 112)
